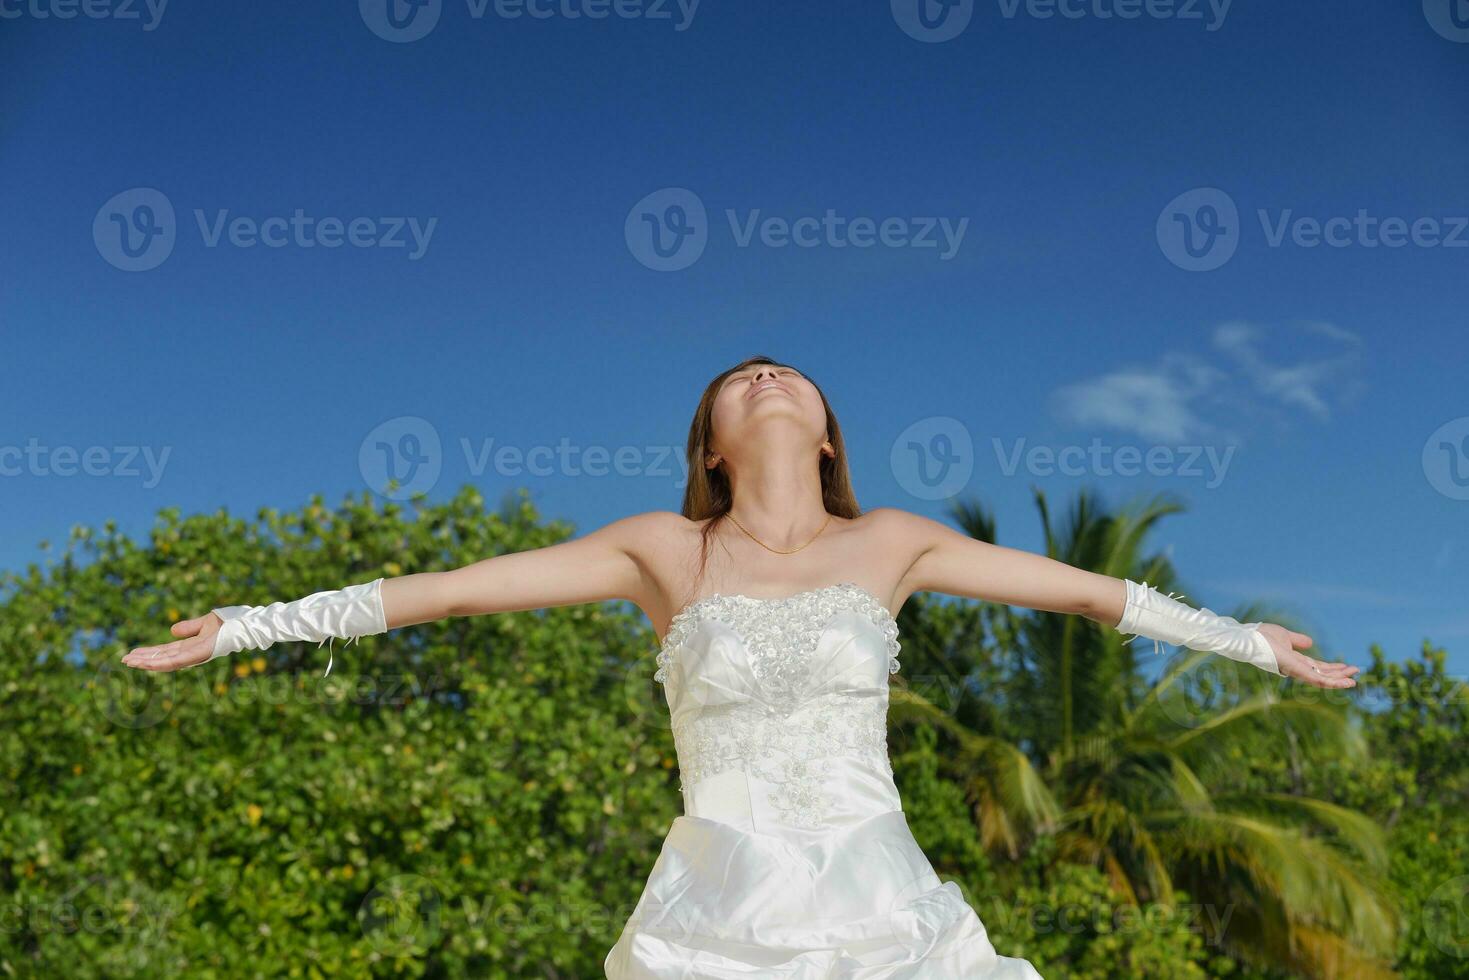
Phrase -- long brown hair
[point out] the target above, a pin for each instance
(709, 497)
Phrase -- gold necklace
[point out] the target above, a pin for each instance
(777, 550)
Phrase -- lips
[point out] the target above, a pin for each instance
(756, 389)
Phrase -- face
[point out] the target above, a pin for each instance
(765, 394)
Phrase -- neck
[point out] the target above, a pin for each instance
(777, 494)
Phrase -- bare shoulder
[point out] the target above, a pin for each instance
(661, 521)
(652, 534)
(661, 543)
(894, 526)
(659, 540)
(902, 538)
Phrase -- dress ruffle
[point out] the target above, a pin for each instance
(859, 904)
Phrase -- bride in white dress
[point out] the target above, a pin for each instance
(775, 599)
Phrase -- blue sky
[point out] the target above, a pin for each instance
(1082, 235)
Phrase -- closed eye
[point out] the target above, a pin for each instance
(747, 375)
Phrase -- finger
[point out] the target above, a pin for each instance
(1328, 667)
(1319, 673)
(185, 653)
(188, 627)
(1299, 640)
(149, 658)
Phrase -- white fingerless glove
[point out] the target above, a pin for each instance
(1158, 617)
(348, 613)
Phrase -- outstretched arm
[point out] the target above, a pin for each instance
(598, 566)
(954, 563)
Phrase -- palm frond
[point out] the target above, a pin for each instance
(1012, 784)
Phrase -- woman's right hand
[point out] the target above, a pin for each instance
(1287, 645)
(194, 646)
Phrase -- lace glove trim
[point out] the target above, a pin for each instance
(1162, 618)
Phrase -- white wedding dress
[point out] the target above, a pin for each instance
(793, 858)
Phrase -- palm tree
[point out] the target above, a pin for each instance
(1158, 783)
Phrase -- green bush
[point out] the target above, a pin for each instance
(477, 797)
(1064, 918)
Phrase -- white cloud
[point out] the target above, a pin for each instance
(1332, 331)
(1300, 385)
(1154, 403)
(1168, 402)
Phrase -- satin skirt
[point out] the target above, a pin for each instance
(857, 902)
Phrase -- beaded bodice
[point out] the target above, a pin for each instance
(779, 706)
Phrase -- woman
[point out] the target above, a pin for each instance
(774, 596)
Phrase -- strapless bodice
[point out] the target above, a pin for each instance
(793, 857)
(779, 707)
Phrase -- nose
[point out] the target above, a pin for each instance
(768, 371)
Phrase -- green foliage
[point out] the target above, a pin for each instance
(1063, 917)
(1415, 781)
(476, 797)
(485, 797)
(1191, 784)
